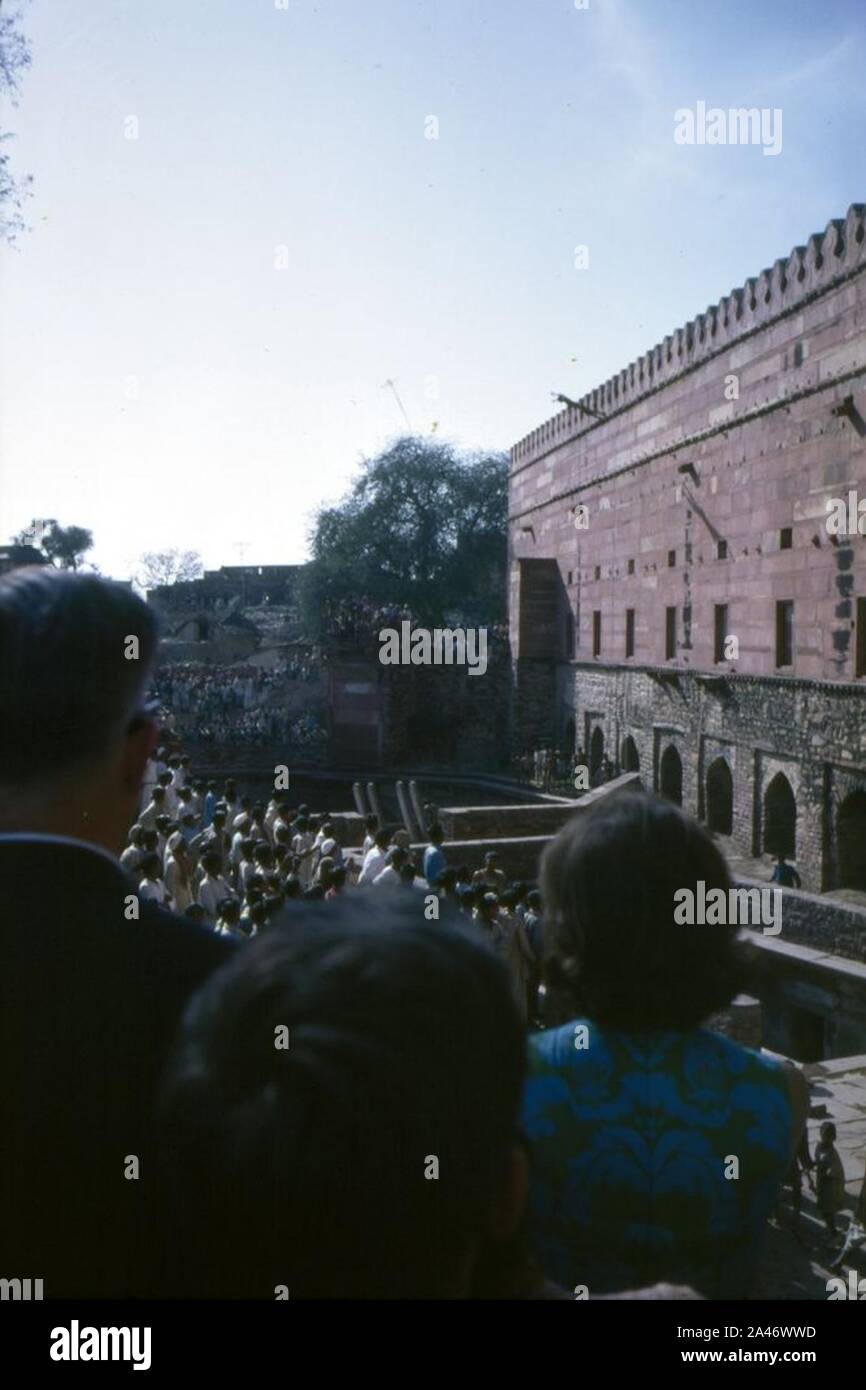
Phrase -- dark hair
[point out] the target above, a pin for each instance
(382, 839)
(292, 886)
(211, 862)
(436, 834)
(229, 910)
(407, 872)
(304, 1165)
(371, 822)
(248, 844)
(149, 866)
(612, 949)
(195, 912)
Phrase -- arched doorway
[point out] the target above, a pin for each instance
(570, 734)
(629, 757)
(720, 797)
(671, 775)
(851, 841)
(596, 754)
(780, 818)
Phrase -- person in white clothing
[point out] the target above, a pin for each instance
(375, 859)
(151, 885)
(303, 845)
(247, 865)
(178, 872)
(213, 888)
(371, 825)
(165, 781)
(242, 832)
(390, 875)
(132, 856)
(154, 808)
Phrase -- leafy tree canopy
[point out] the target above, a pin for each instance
(423, 525)
(64, 546)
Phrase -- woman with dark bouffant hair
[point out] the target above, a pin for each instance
(658, 1146)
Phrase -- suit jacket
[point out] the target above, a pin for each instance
(90, 1001)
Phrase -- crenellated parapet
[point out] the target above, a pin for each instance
(826, 259)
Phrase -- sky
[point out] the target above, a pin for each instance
(250, 215)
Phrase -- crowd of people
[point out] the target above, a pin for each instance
(240, 704)
(555, 769)
(349, 1071)
(360, 618)
(220, 858)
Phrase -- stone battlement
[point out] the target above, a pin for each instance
(827, 260)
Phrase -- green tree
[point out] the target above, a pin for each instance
(64, 546)
(15, 58)
(423, 525)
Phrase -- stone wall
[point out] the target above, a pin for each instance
(813, 734)
(443, 716)
(705, 473)
(825, 925)
(510, 822)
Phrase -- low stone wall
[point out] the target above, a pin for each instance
(509, 822)
(825, 924)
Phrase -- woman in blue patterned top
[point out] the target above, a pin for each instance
(658, 1147)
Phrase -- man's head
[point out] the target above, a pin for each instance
(340, 1114)
(437, 834)
(76, 655)
(149, 866)
(211, 863)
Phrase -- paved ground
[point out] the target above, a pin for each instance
(798, 1251)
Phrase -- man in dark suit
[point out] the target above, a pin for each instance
(93, 982)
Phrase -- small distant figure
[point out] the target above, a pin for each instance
(829, 1176)
(784, 873)
(855, 1236)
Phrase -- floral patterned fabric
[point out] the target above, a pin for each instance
(632, 1136)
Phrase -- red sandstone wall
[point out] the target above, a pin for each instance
(795, 338)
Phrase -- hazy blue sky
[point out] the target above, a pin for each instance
(164, 383)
